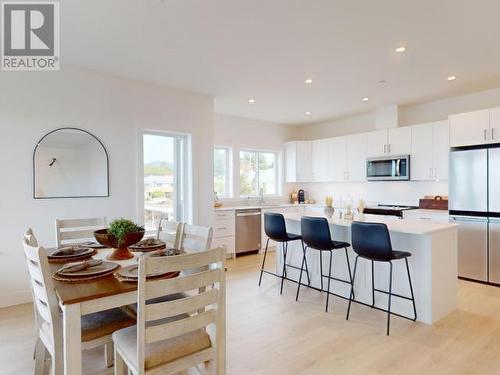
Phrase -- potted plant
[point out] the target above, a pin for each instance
(119, 235)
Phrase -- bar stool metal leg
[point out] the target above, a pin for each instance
(321, 268)
(285, 248)
(373, 284)
(329, 279)
(389, 304)
(301, 270)
(305, 262)
(349, 269)
(411, 290)
(352, 287)
(284, 258)
(263, 262)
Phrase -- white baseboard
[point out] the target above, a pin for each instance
(15, 298)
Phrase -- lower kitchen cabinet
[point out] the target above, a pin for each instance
(224, 231)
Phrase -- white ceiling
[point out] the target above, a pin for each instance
(265, 49)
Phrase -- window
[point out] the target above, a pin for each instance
(222, 172)
(165, 166)
(258, 169)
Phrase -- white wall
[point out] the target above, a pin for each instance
(116, 111)
(239, 133)
(374, 192)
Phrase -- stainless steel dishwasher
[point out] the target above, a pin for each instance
(248, 230)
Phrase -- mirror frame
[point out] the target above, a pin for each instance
(69, 197)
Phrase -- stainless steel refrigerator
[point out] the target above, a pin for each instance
(474, 203)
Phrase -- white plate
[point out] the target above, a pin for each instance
(79, 252)
(101, 268)
(132, 272)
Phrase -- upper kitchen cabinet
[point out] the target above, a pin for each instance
(495, 125)
(393, 141)
(298, 161)
(337, 164)
(429, 154)
(321, 155)
(356, 157)
(471, 128)
(377, 144)
(399, 141)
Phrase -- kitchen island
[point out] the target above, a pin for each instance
(433, 266)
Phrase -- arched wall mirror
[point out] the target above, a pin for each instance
(70, 163)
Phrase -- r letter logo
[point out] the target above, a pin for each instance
(30, 39)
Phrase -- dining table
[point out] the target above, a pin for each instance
(81, 298)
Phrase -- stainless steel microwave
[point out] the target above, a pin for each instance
(388, 168)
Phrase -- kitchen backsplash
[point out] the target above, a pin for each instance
(383, 192)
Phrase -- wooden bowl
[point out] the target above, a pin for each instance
(120, 253)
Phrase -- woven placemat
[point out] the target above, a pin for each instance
(169, 275)
(70, 280)
(75, 259)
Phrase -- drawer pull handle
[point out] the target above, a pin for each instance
(221, 228)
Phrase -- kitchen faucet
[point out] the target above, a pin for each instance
(261, 195)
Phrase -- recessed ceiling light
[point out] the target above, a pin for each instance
(400, 49)
(308, 113)
(308, 81)
(251, 101)
(365, 99)
(451, 78)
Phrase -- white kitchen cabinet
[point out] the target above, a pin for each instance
(321, 154)
(298, 161)
(377, 143)
(441, 149)
(429, 152)
(337, 164)
(394, 141)
(356, 157)
(224, 231)
(495, 125)
(399, 141)
(428, 215)
(470, 128)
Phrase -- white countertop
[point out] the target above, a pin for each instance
(249, 207)
(405, 226)
(429, 211)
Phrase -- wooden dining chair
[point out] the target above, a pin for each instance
(195, 238)
(179, 334)
(96, 328)
(72, 231)
(170, 232)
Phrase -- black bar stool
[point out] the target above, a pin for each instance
(316, 236)
(275, 228)
(373, 242)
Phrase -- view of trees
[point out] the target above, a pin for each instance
(158, 168)
(257, 169)
(220, 171)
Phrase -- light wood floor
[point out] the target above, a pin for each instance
(272, 334)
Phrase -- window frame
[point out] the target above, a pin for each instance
(229, 171)
(277, 175)
(183, 199)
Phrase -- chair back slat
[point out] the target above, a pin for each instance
(43, 290)
(185, 261)
(189, 304)
(71, 231)
(196, 238)
(204, 305)
(161, 288)
(179, 327)
(170, 232)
